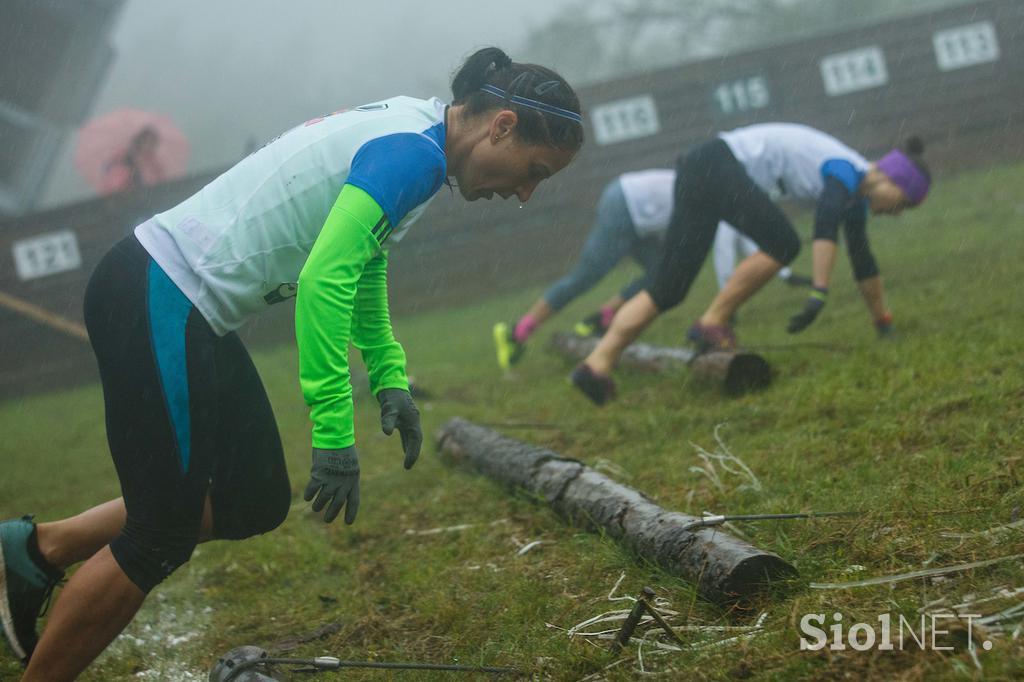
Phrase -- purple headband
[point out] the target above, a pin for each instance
(906, 175)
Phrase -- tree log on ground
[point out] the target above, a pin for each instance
(724, 569)
(736, 371)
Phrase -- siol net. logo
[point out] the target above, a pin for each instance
(891, 634)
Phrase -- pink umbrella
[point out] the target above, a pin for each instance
(129, 148)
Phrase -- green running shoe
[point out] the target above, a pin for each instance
(590, 326)
(509, 350)
(24, 587)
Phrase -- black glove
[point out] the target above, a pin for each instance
(398, 410)
(815, 302)
(334, 479)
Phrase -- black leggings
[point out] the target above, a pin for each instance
(186, 416)
(711, 186)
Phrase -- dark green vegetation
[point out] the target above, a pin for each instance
(930, 421)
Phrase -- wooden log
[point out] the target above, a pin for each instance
(736, 371)
(639, 355)
(724, 569)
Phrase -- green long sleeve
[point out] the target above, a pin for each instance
(342, 294)
(372, 334)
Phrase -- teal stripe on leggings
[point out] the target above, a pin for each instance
(168, 313)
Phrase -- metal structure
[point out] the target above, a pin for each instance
(55, 56)
(253, 664)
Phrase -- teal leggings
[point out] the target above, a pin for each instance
(611, 239)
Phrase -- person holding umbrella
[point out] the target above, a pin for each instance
(731, 177)
(191, 431)
(127, 149)
(137, 167)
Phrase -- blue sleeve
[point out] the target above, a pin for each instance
(843, 171)
(399, 171)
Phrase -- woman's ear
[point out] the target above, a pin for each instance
(502, 125)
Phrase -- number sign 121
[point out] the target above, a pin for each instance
(46, 254)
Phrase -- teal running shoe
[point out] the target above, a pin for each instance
(25, 588)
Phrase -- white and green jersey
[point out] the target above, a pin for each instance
(238, 245)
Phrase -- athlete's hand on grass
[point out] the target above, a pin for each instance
(815, 302)
(398, 410)
(334, 480)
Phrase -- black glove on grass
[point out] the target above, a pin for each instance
(815, 302)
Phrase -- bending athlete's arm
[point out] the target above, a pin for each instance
(324, 309)
(827, 216)
(857, 246)
(385, 358)
(372, 333)
(389, 176)
(865, 267)
(840, 180)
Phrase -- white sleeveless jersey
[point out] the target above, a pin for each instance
(239, 244)
(787, 159)
(650, 195)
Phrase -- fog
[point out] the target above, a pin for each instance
(234, 73)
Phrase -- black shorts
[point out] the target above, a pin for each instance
(187, 417)
(711, 185)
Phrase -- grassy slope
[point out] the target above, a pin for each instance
(932, 421)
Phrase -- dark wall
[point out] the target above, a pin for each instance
(968, 116)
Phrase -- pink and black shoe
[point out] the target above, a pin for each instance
(598, 387)
(708, 337)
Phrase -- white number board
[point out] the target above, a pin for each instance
(46, 254)
(968, 45)
(624, 119)
(742, 95)
(855, 70)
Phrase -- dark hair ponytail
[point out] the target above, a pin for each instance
(913, 148)
(491, 66)
(475, 70)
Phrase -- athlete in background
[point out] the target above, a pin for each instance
(632, 216)
(731, 177)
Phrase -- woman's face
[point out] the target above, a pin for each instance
(500, 164)
(886, 197)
